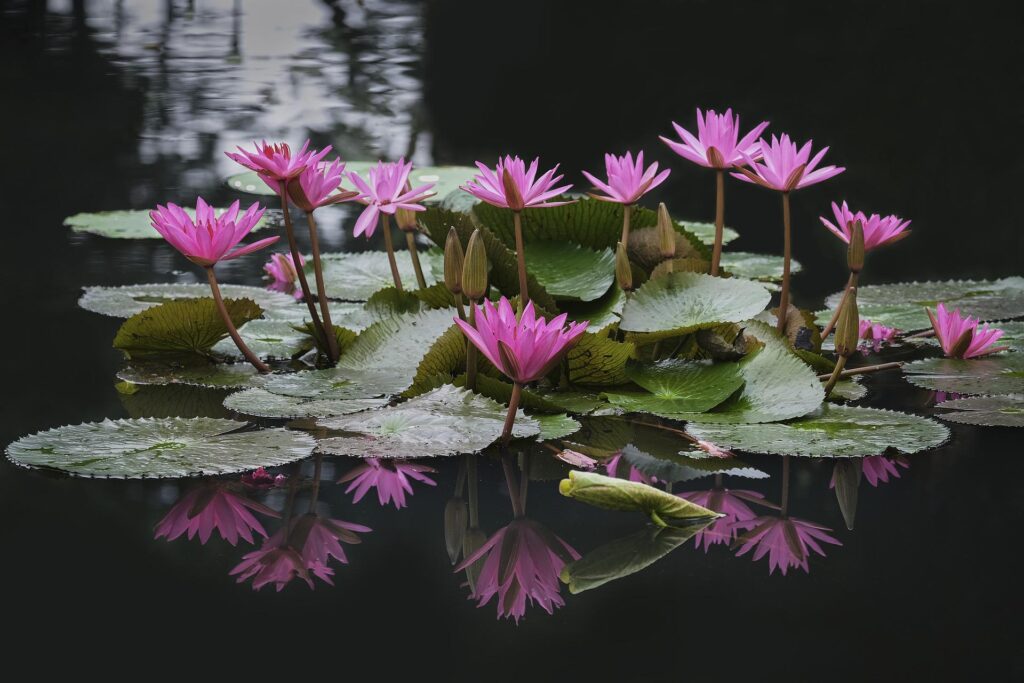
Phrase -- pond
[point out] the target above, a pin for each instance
(886, 567)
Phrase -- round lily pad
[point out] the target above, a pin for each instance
(210, 375)
(678, 386)
(555, 426)
(569, 271)
(124, 302)
(989, 411)
(762, 267)
(267, 339)
(705, 232)
(261, 403)
(998, 374)
(356, 276)
(132, 225)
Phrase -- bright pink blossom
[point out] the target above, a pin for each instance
(729, 503)
(786, 540)
(878, 231)
(392, 479)
(206, 508)
(523, 562)
(785, 167)
(717, 143)
(275, 164)
(627, 181)
(209, 238)
(963, 337)
(385, 191)
(525, 349)
(878, 468)
(319, 185)
(511, 185)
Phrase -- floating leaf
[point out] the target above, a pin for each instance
(569, 271)
(705, 232)
(1013, 334)
(190, 326)
(600, 313)
(167, 447)
(209, 375)
(577, 402)
(555, 426)
(261, 403)
(267, 339)
(762, 267)
(501, 391)
(848, 390)
(990, 411)
(355, 276)
(126, 224)
(678, 386)
(124, 302)
(834, 431)
(678, 303)
(350, 316)
(620, 494)
(445, 421)
(682, 466)
(596, 360)
(999, 374)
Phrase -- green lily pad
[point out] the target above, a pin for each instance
(989, 411)
(190, 326)
(167, 447)
(761, 267)
(207, 375)
(1013, 334)
(445, 421)
(351, 316)
(578, 402)
(355, 276)
(261, 403)
(686, 465)
(705, 232)
(998, 374)
(679, 303)
(848, 390)
(620, 494)
(172, 400)
(569, 271)
(267, 339)
(678, 386)
(597, 360)
(555, 426)
(599, 313)
(131, 225)
(124, 302)
(835, 431)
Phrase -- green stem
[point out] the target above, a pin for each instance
(524, 291)
(510, 418)
(831, 384)
(318, 327)
(471, 359)
(851, 282)
(787, 254)
(226, 317)
(385, 223)
(315, 493)
(627, 215)
(510, 482)
(321, 290)
(716, 254)
(410, 242)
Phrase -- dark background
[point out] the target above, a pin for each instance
(921, 101)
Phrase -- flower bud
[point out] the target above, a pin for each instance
(855, 254)
(666, 233)
(456, 516)
(513, 197)
(848, 326)
(453, 262)
(474, 272)
(623, 271)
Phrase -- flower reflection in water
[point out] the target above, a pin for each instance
(391, 478)
(729, 503)
(213, 506)
(878, 468)
(619, 468)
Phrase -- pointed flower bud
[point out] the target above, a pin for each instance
(474, 272)
(666, 233)
(453, 262)
(623, 271)
(855, 254)
(848, 326)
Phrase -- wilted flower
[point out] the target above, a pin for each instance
(209, 238)
(878, 231)
(319, 185)
(627, 181)
(206, 508)
(510, 185)
(962, 337)
(729, 503)
(576, 459)
(785, 167)
(786, 540)
(390, 477)
(275, 163)
(385, 191)
(717, 144)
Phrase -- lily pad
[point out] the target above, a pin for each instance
(989, 411)
(555, 426)
(208, 375)
(835, 431)
(132, 225)
(599, 313)
(445, 421)
(999, 374)
(620, 494)
(705, 232)
(351, 316)
(124, 302)
(267, 339)
(679, 303)
(686, 465)
(569, 271)
(762, 267)
(355, 276)
(678, 386)
(190, 326)
(597, 360)
(261, 403)
(160, 447)
(848, 390)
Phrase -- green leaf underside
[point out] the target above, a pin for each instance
(902, 305)
(134, 224)
(678, 386)
(261, 403)
(168, 447)
(189, 326)
(988, 411)
(569, 271)
(267, 339)
(751, 266)
(998, 374)
(442, 422)
(596, 360)
(355, 276)
(446, 179)
(208, 375)
(681, 467)
(124, 302)
(679, 303)
(835, 431)
(620, 494)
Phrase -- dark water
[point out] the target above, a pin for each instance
(111, 105)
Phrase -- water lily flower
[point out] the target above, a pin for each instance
(281, 269)
(384, 192)
(786, 540)
(511, 185)
(873, 334)
(627, 183)
(275, 164)
(784, 166)
(392, 479)
(878, 231)
(963, 337)
(521, 564)
(319, 185)
(729, 503)
(209, 238)
(213, 507)
(878, 468)
(259, 478)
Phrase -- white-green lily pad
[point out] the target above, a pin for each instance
(988, 411)
(761, 267)
(351, 316)
(835, 431)
(555, 426)
(208, 375)
(998, 374)
(445, 421)
(705, 232)
(124, 302)
(848, 390)
(678, 386)
(355, 276)
(159, 447)
(131, 225)
(267, 339)
(569, 271)
(261, 403)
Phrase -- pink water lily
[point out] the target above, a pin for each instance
(384, 191)
(281, 269)
(319, 185)
(511, 185)
(784, 166)
(731, 504)
(275, 164)
(963, 337)
(391, 477)
(524, 350)
(871, 331)
(521, 563)
(628, 181)
(209, 238)
(717, 143)
(210, 508)
(787, 541)
(878, 230)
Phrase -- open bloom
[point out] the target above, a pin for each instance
(275, 164)
(785, 167)
(729, 503)
(786, 540)
(523, 562)
(209, 508)
(717, 143)
(319, 185)
(385, 191)
(526, 349)
(878, 468)
(628, 181)
(209, 238)
(878, 231)
(875, 332)
(391, 478)
(962, 337)
(512, 186)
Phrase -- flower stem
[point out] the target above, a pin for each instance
(524, 292)
(471, 353)
(461, 308)
(321, 290)
(385, 223)
(716, 253)
(831, 384)
(315, 492)
(524, 481)
(784, 505)
(510, 482)
(410, 241)
(787, 253)
(627, 215)
(850, 283)
(246, 351)
(318, 327)
(867, 369)
(510, 418)
(474, 499)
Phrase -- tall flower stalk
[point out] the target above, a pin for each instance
(627, 182)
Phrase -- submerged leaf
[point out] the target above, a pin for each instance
(190, 326)
(990, 411)
(209, 375)
(998, 374)
(620, 494)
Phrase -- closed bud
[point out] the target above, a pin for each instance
(848, 326)
(513, 197)
(453, 262)
(666, 233)
(474, 272)
(623, 271)
(855, 254)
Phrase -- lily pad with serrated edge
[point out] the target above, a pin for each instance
(761, 267)
(1001, 373)
(686, 465)
(356, 276)
(555, 426)
(261, 403)
(848, 390)
(126, 301)
(987, 411)
(186, 326)
(131, 224)
(159, 447)
(569, 271)
(267, 339)
(678, 386)
(208, 375)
